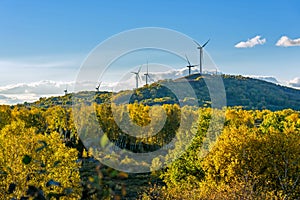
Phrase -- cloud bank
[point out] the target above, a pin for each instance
(251, 42)
(270, 79)
(30, 92)
(284, 41)
(295, 82)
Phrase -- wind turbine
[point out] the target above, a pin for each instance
(137, 77)
(201, 53)
(98, 86)
(147, 75)
(66, 90)
(189, 66)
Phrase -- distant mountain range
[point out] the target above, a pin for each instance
(250, 93)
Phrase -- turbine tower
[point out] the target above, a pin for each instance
(66, 90)
(137, 77)
(98, 86)
(201, 53)
(147, 75)
(189, 66)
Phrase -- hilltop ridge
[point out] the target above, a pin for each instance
(250, 93)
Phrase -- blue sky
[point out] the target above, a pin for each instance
(48, 40)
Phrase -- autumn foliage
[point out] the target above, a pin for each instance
(257, 156)
(241, 154)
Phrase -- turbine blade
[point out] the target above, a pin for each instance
(147, 66)
(139, 69)
(151, 78)
(139, 77)
(188, 60)
(205, 43)
(197, 43)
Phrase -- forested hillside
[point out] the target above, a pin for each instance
(256, 155)
(240, 91)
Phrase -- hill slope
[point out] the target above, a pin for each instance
(240, 91)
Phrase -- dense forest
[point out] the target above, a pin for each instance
(48, 151)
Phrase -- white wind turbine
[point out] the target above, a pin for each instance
(147, 75)
(98, 86)
(137, 76)
(189, 66)
(201, 53)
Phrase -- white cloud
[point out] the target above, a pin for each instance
(295, 82)
(21, 92)
(251, 42)
(284, 41)
(172, 74)
(7, 100)
(39, 87)
(270, 79)
(30, 92)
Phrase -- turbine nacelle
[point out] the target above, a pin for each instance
(189, 66)
(147, 75)
(98, 86)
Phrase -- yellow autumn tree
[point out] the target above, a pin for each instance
(5, 115)
(255, 157)
(36, 165)
(257, 162)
